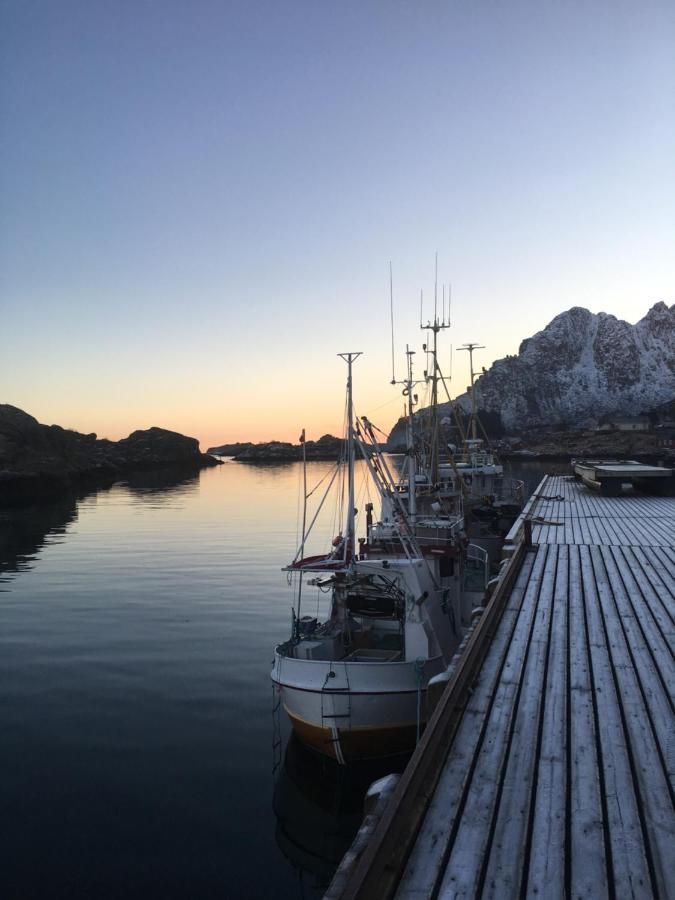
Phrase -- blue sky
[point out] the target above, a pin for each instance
(199, 201)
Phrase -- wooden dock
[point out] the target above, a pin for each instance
(548, 767)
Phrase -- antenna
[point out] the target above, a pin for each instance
(434, 376)
(470, 348)
(391, 313)
(409, 383)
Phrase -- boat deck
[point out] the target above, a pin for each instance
(557, 779)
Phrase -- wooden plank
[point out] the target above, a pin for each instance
(606, 531)
(662, 562)
(509, 850)
(656, 602)
(644, 755)
(652, 532)
(377, 870)
(427, 857)
(659, 574)
(669, 551)
(586, 874)
(546, 864)
(643, 633)
(586, 536)
(629, 864)
(553, 778)
(661, 530)
(473, 835)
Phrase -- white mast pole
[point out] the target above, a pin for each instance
(350, 538)
(412, 486)
(304, 523)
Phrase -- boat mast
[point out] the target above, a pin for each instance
(435, 327)
(350, 538)
(410, 442)
(474, 410)
(304, 527)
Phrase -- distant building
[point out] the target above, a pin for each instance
(626, 423)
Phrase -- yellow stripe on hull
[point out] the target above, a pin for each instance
(351, 745)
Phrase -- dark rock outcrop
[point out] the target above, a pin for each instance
(230, 449)
(326, 448)
(46, 460)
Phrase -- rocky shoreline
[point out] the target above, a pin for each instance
(43, 461)
(564, 445)
(539, 444)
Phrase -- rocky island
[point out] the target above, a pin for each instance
(39, 461)
(327, 447)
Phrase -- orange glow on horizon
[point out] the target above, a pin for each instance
(272, 399)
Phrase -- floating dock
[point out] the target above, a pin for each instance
(610, 477)
(547, 768)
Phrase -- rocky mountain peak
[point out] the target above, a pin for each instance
(581, 367)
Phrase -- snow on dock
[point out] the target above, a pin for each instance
(548, 768)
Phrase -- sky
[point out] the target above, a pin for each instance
(199, 201)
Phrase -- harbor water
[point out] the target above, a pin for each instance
(137, 627)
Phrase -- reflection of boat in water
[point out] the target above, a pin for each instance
(353, 685)
(319, 807)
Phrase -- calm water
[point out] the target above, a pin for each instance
(137, 628)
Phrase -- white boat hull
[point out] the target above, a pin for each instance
(355, 710)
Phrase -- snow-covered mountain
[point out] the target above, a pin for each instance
(581, 367)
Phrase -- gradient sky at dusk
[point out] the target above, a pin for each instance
(199, 201)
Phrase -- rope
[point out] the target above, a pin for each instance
(375, 428)
(319, 483)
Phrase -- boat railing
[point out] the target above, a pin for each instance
(477, 567)
(474, 460)
(503, 490)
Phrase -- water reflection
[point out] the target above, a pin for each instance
(318, 807)
(26, 530)
(161, 487)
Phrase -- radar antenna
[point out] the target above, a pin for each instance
(434, 375)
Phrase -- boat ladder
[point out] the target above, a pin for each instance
(277, 742)
(336, 706)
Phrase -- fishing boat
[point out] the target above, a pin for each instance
(469, 480)
(353, 684)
